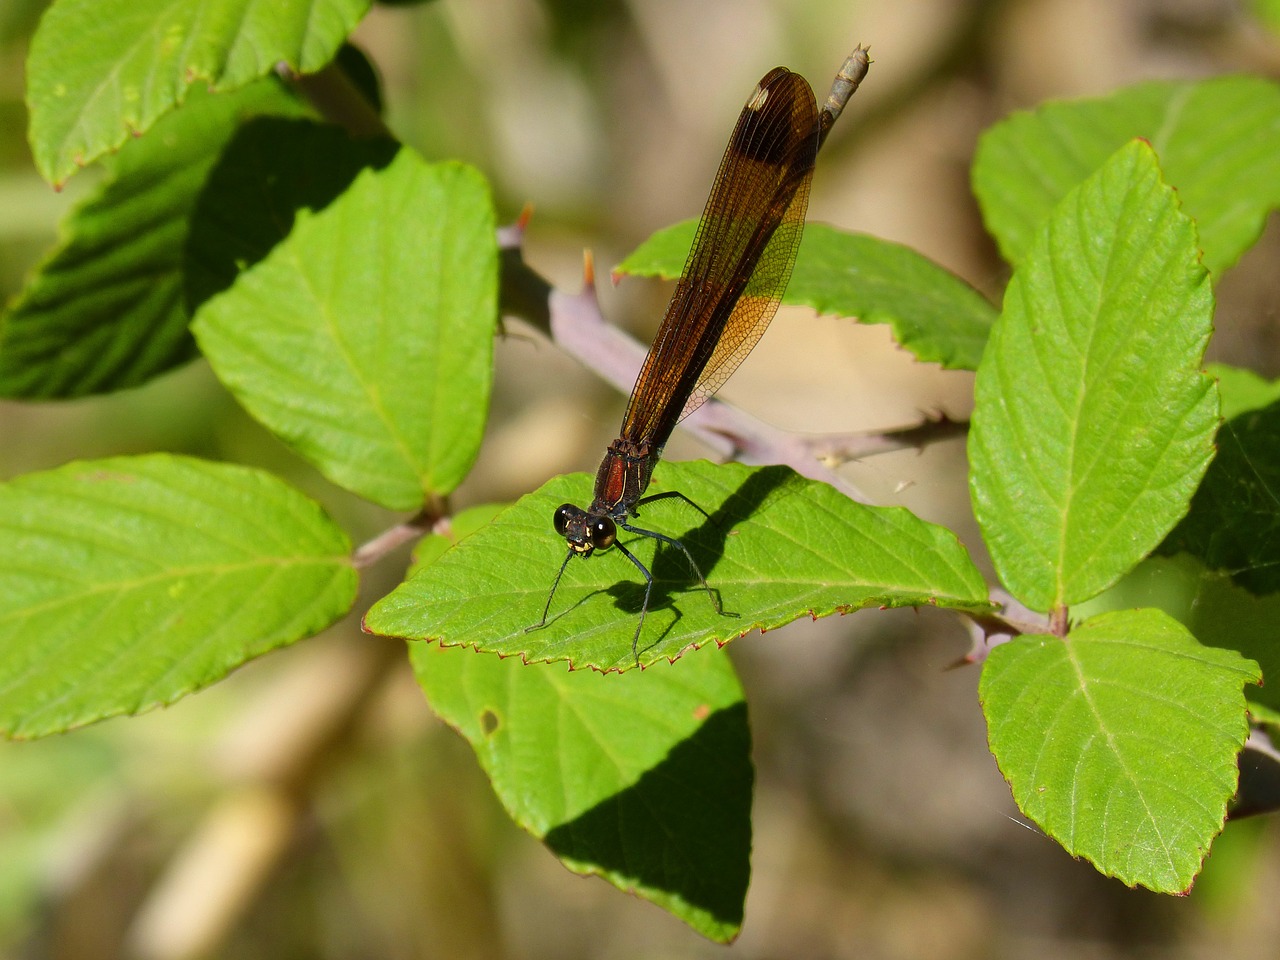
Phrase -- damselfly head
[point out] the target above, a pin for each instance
(583, 531)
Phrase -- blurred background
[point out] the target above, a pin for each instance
(311, 806)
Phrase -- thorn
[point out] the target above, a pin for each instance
(526, 214)
(588, 271)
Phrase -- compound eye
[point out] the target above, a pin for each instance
(603, 533)
(564, 513)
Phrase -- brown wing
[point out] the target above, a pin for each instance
(740, 262)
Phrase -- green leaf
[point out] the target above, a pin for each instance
(1218, 142)
(934, 314)
(1222, 614)
(365, 339)
(1218, 613)
(129, 582)
(1242, 390)
(270, 170)
(1121, 741)
(464, 523)
(102, 70)
(105, 310)
(1092, 422)
(1268, 11)
(1234, 523)
(644, 778)
(777, 547)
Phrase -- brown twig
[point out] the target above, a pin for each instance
(423, 522)
(989, 630)
(574, 321)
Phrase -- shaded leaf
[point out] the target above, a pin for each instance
(105, 310)
(129, 582)
(359, 69)
(270, 170)
(644, 778)
(1234, 522)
